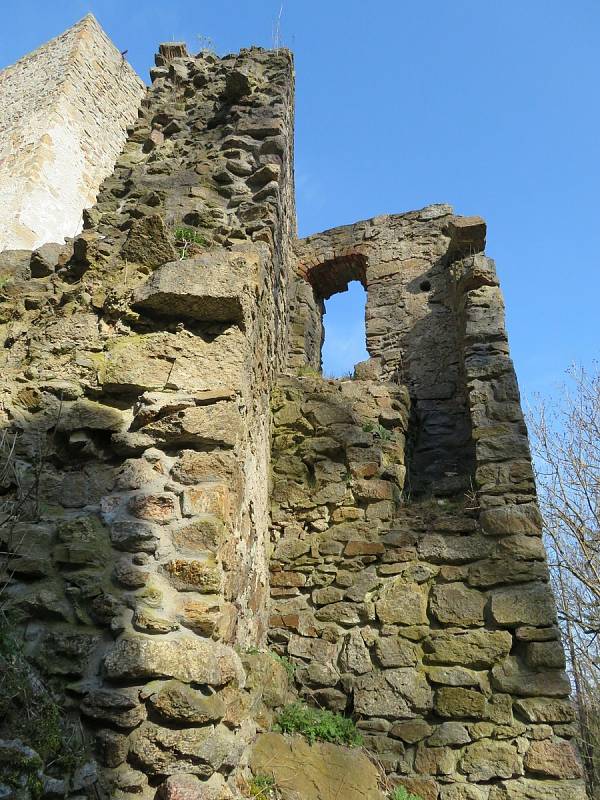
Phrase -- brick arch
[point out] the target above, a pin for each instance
(330, 272)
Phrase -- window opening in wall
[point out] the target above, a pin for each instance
(344, 327)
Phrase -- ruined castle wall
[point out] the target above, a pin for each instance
(178, 489)
(431, 621)
(64, 113)
(166, 325)
(412, 328)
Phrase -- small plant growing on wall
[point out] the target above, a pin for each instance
(189, 242)
(401, 793)
(317, 724)
(263, 786)
(378, 431)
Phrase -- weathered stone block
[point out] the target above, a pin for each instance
(441, 549)
(545, 709)
(158, 508)
(395, 694)
(84, 413)
(464, 791)
(134, 536)
(207, 498)
(435, 760)
(528, 789)
(317, 771)
(456, 604)
(182, 787)
(194, 466)
(540, 655)
(449, 733)
(467, 235)
(121, 709)
(112, 747)
(341, 613)
(495, 571)
(530, 604)
(412, 730)
(355, 655)
(285, 578)
(373, 489)
(199, 751)
(205, 617)
(166, 361)
(504, 520)
(475, 649)
(456, 702)
(148, 242)
(357, 548)
(393, 651)
(218, 424)
(189, 660)
(313, 649)
(553, 759)
(177, 702)
(206, 533)
(195, 576)
(211, 287)
(454, 676)
(488, 759)
(146, 621)
(513, 677)
(402, 603)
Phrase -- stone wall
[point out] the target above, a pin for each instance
(138, 363)
(412, 593)
(411, 325)
(431, 624)
(64, 113)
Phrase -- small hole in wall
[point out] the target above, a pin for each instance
(345, 337)
(425, 286)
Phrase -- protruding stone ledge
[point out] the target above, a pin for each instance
(190, 660)
(467, 236)
(209, 288)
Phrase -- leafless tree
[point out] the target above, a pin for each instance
(565, 436)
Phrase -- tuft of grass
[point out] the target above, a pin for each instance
(401, 793)
(317, 724)
(262, 786)
(308, 372)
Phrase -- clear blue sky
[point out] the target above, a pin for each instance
(490, 106)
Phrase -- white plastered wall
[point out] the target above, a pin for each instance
(64, 110)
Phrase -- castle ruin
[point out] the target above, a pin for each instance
(199, 529)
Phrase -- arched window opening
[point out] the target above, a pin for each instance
(345, 337)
